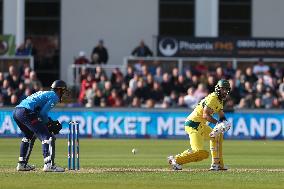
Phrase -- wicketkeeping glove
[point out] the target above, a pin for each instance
(54, 126)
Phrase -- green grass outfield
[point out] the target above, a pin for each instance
(109, 163)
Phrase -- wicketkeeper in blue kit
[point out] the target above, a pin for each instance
(31, 116)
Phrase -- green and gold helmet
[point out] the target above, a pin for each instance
(222, 88)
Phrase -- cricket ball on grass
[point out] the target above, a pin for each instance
(134, 151)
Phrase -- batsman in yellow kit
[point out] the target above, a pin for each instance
(198, 130)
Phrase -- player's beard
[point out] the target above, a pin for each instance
(224, 96)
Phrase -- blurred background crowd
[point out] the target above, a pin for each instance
(146, 85)
(257, 86)
(17, 84)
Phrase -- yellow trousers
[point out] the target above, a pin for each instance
(197, 153)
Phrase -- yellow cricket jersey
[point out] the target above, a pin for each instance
(212, 101)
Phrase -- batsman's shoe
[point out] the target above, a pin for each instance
(52, 168)
(174, 164)
(25, 167)
(218, 167)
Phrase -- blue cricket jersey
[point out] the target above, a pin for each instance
(41, 101)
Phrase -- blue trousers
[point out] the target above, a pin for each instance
(29, 123)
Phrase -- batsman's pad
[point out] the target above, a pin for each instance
(221, 127)
(54, 126)
(191, 156)
(216, 147)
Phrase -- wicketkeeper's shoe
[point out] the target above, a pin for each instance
(25, 167)
(52, 168)
(218, 167)
(174, 164)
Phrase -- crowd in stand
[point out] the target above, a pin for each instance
(17, 84)
(257, 86)
(19, 81)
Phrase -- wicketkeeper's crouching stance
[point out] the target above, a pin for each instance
(198, 130)
(31, 116)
